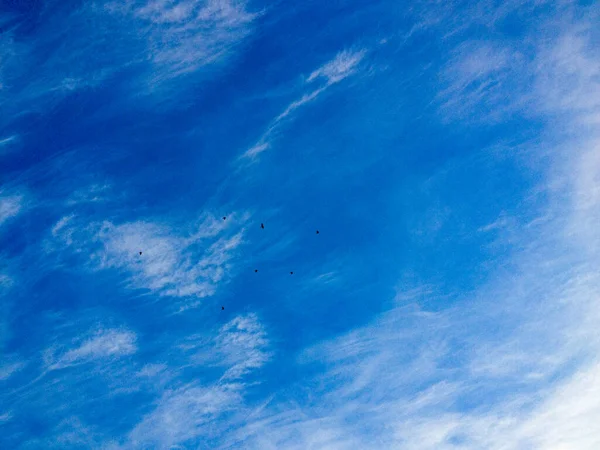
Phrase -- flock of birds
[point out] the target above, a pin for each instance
(262, 226)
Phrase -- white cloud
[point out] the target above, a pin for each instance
(186, 35)
(166, 264)
(242, 343)
(343, 65)
(403, 380)
(170, 264)
(161, 40)
(10, 206)
(152, 370)
(257, 150)
(340, 67)
(92, 194)
(565, 420)
(568, 77)
(5, 142)
(568, 418)
(241, 346)
(5, 281)
(298, 103)
(63, 231)
(7, 369)
(72, 432)
(476, 80)
(104, 344)
(196, 411)
(182, 415)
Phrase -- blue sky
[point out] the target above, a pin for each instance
(448, 153)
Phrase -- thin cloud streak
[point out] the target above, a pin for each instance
(10, 206)
(339, 68)
(104, 344)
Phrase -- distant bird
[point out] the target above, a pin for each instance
(262, 225)
(291, 273)
(140, 253)
(317, 231)
(224, 217)
(255, 270)
(222, 308)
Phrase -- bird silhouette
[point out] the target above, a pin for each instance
(262, 225)
(224, 217)
(255, 270)
(291, 273)
(140, 253)
(317, 231)
(222, 308)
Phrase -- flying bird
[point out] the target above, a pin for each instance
(140, 253)
(262, 225)
(222, 308)
(317, 231)
(291, 273)
(224, 217)
(255, 270)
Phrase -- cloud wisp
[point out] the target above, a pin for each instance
(10, 206)
(242, 347)
(156, 257)
(183, 36)
(152, 42)
(342, 66)
(185, 403)
(203, 410)
(103, 344)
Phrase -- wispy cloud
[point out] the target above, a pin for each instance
(170, 263)
(10, 206)
(6, 143)
(155, 41)
(186, 408)
(186, 35)
(240, 347)
(91, 194)
(9, 368)
(196, 410)
(477, 78)
(5, 281)
(103, 344)
(72, 432)
(343, 65)
(567, 77)
(243, 344)
(183, 415)
(403, 379)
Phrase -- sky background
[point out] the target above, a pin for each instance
(448, 152)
